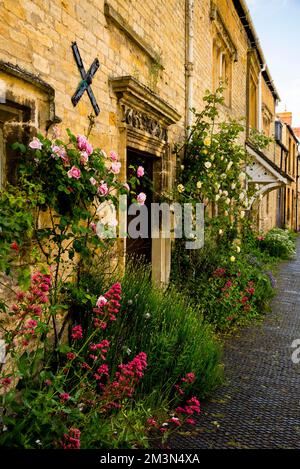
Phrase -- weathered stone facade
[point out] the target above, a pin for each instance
(141, 85)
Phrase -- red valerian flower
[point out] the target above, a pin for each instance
(15, 246)
(76, 332)
(219, 272)
(190, 421)
(152, 422)
(71, 355)
(6, 381)
(71, 440)
(64, 396)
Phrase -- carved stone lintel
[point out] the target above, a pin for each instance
(141, 121)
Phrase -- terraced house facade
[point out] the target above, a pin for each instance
(156, 61)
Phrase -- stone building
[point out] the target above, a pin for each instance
(156, 61)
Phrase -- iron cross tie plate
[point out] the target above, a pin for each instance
(84, 85)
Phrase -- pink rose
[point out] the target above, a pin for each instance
(103, 188)
(126, 186)
(59, 151)
(101, 301)
(88, 148)
(56, 132)
(84, 145)
(113, 155)
(74, 173)
(81, 142)
(140, 171)
(93, 226)
(93, 181)
(84, 158)
(115, 167)
(141, 198)
(35, 144)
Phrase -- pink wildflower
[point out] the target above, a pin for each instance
(72, 439)
(101, 301)
(152, 422)
(191, 421)
(6, 381)
(32, 323)
(64, 396)
(15, 246)
(77, 332)
(71, 355)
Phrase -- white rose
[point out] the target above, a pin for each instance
(207, 164)
(233, 185)
(217, 197)
(199, 185)
(227, 201)
(220, 232)
(242, 214)
(238, 249)
(225, 193)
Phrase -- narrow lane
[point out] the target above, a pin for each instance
(259, 406)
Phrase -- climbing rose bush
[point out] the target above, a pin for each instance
(60, 398)
(51, 395)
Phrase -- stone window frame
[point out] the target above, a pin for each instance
(224, 54)
(15, 102)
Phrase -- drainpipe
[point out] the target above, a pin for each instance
(260, 124)
(189, 64)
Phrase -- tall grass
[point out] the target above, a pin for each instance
(172, 333)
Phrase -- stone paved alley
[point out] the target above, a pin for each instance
(259, 406)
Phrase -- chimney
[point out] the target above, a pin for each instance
(297, 132)
(285, 117)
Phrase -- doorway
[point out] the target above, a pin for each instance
(141, 247)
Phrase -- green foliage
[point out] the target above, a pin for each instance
(170, 329)
(259, 140)
(213, 161)
(279, 243)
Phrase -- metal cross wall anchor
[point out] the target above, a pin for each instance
(84, 85)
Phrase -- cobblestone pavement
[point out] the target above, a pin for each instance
(259, 406)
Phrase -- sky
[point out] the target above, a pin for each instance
(277, 23)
